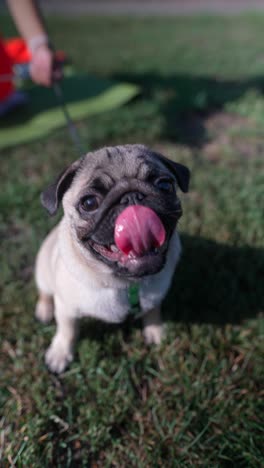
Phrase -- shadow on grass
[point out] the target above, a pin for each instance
(216, 283)
(213, 283)
(185, 101)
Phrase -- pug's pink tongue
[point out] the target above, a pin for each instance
(138, 230)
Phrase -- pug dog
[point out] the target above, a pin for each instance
(118, 229)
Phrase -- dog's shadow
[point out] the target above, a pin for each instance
(216, 283)
(213, 283)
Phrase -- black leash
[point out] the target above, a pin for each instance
(69, 122)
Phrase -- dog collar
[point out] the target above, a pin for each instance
(133, 298)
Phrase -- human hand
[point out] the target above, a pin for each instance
(43, 67)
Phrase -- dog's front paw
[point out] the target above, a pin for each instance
(153, 334)
(58, 357)
(44, 309)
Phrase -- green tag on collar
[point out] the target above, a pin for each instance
(133, 297)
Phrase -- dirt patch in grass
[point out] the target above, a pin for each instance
(230, 132)
(220, 133)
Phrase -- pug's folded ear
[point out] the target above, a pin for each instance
(52, 195)
(182, 175)
(180, 171)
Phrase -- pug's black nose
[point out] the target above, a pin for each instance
(132, 198)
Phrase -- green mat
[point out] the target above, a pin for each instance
(84, 95)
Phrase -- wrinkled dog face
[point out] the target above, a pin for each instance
(121, 203)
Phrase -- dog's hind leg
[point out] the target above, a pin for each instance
(45, 307)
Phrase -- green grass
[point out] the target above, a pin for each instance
(198, 400)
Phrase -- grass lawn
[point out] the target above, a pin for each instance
(198, 399)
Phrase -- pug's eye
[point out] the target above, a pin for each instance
(89, 203)
(165, 184)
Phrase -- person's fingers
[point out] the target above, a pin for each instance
(44, 69)
(40, 75)
(41, 67)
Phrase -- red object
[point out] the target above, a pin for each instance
(138, 230)
(17, 50)
(12, 51)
